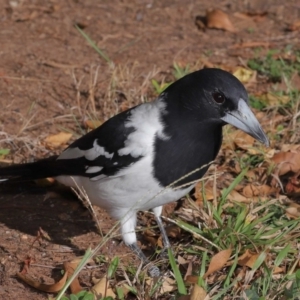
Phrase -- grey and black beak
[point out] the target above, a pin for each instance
(244, 119)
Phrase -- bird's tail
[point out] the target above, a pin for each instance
(50, 167)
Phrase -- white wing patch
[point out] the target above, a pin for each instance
(89, 154)
(96, 151)
(146, 119)
(94, 169)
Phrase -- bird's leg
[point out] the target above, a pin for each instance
(166, 243)
(129, 236)
(153, 270)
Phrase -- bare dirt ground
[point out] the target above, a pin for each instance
(51, 80)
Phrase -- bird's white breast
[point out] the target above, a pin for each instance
(133, 187)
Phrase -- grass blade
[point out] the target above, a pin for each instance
(178, 277)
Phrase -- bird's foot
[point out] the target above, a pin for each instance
(153, 271)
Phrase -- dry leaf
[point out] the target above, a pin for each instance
(48, 288)
(208, 192)
(252, 175)
(102, 288)
(251, 190)
(70, 267)
(274, 100)
(287, 162)
(168, 284)
(248, 259)
(293, 185)
(173, 231)
(242, 140)
(279, 270)
(290, 147)
(57, 140)
(92, 124)
(198, 293)
(237, 197)
(151, 237)
(244, 75)
(218, 19)
(293, 212)
(218, 261)
(181, 260)
(191, 279)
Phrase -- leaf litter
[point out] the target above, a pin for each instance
(280, 162)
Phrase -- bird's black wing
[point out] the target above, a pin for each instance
(97, 153)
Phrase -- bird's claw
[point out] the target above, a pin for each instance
(153, 271)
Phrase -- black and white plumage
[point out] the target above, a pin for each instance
(129, 162)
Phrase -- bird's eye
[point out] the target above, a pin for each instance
(218, 97)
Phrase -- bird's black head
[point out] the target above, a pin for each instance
(214, 96)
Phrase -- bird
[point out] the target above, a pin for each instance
(151, 154)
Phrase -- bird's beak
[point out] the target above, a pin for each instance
(244, 119)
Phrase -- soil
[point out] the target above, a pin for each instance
(52, 80)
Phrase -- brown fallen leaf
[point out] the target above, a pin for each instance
(286, 162)
(218, 261)
(151, 237)
(168, 284)
(237, 197)
(69, 268)
(92, 124)
(242, 140)
(279, 270)
(191, 279)
(207, 194)
(217, 19)
(248, 259)
(102, 288)
(48, 288)
(293, 185)
(256, 174)
(293, 211)
(290, 147)
(251, 190)
(198, 293)
(57, 140)
(173, 231)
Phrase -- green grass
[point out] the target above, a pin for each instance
(261, 227)
(177, 72)
(275, 68)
